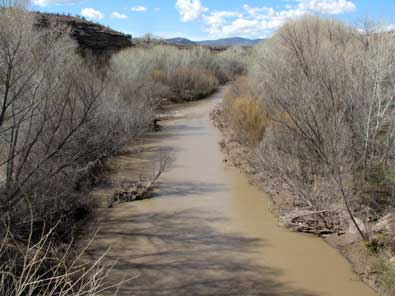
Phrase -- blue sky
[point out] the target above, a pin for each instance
(210, 19)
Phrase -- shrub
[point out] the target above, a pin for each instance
(179, 74)
(231, 64)
(191, 84)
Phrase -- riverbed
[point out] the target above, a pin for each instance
(207, 231)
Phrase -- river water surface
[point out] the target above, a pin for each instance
(208, 231)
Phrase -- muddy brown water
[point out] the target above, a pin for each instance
(208, 231)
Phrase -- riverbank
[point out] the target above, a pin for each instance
(242, 157)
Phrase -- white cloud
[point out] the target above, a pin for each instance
(260, 22)
(255, 11)
(190, 10)
(118, 15)
(138, 9)
(390, 28)
(327, 6)
(241, 26)
(217, 19)
(54, 2)
(91, 13)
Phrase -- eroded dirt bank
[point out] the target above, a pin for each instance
(208, 231)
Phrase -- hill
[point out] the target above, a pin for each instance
(181, 41)
(225, 42)
(235, 41)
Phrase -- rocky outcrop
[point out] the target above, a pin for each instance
(91, 37)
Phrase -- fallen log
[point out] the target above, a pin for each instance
(136, 191)
(139, 190)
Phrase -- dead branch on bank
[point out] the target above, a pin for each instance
(316, 222)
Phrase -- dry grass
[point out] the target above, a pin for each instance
(245, 113)
(43, 267)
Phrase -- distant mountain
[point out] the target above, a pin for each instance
(180, 41)
(226, 42)
(235, 41)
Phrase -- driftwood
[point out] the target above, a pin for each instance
(315, 222)
(139, 190)
(135, 191)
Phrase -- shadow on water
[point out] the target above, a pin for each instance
(185, 189)
(182, 253)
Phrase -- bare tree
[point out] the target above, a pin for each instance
(44, 104)
(53, 124)
(330, 89)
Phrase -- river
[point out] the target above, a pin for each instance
(208, 231)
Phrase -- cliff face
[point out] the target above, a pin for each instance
(91, 37)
